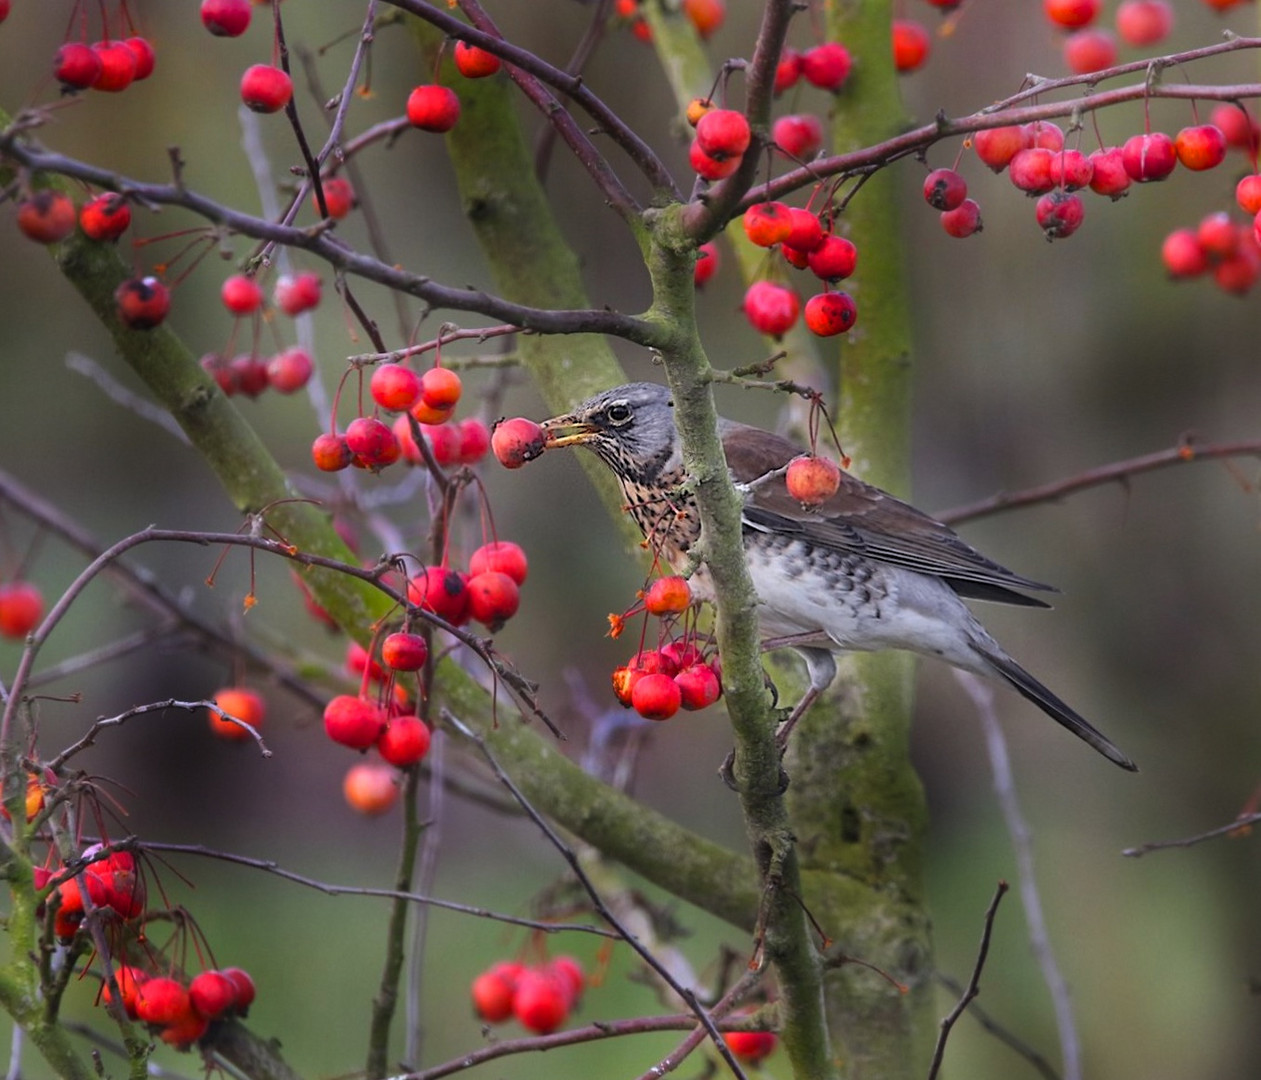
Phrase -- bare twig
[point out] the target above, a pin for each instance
(1240, 825)
(1022, 846)
(1001, 1033)
(1115, 472)
(120, 395)
(974, 984)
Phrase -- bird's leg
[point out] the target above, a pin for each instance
(821, 667)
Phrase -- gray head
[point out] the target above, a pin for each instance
(630, 427)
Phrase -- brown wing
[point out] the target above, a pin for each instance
(862, 519)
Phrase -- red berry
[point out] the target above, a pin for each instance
(493, 598)
(403, 651)
(911, 45)
(473, 62)
(705, 15)
(830, 313)
(706, 264)
(1149, 157)
(656, 697)
(834, 259)
(811, 479)
(128, 980)
(144, 54)
(1182, 254)
(699, 687)
(750, 1046)
(1217, 235)
(1238, 273)
(1030, 170)
(1071, 13)
(76, 66)
(1144, 22)
(1108, 175)
(503, 556)
(370, 787)
(162, 1001)
(539, 1001)
(266, 89)
(296, 293)
(944, 189)
(826, 66)
(807, 232)
(395, 387)
(442, 591)
(21, 606)
(1233, 121)
(517, 441)
(493, 992)
(441, 387)
(799, 135)
(142, 303)
(118, 67)
(709, 168)
(997, 146)
(1060, 214)
(1046, 134)
(353, 721)
(668, 596)
(226, 18)
(1072, 170)
(249, 375)
(245, 991)
(569, 973)
(242, 703)
(290, 370)
(771, 309)
(405, 741)
(433, 108)
(674, 656)
(212, 994)
(241, 295)
(767, 224)
(105, 216)
(339, 197)
(962, 221)
(723, 133)
(1248, 194)
(47, 217)
(788, 70)
(330, 452)
(1200, 147)
(1087, 51)
(444, 443)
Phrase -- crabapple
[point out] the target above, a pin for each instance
(353, 721)
(47, 217)
(473, 62)
(944, 189)
(370, 787)
(771, 309)
(21, 605)
(963, 220)
(105, 216)
(431, 107)
(226, 18)
(404, 741)
(266, 89)
(811, 479)
(242, 703)
(830, 313)
(911, 45)
(517, 441)
(142, 303)
(290, 370)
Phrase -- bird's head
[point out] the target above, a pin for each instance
(631, 428)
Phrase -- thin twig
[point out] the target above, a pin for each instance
(974, 984)
(1022, 847)
(1241, 825)
(993, 1027)
(121, 395)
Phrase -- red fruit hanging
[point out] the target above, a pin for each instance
(835, 259)
(1149, 157)
(290, 370)
(1060, 214)
(441, 388)
(710, 168)
(1072, 13)
(493, 598)
(656, 697)
(830, 313)
(539, 1001)
(1030, 170)
(503, 556)
(963, 220)
(944, 189)
(811, 479)
(1182, 254)
(212, 994)
(1107, 173)
(76, 66)
(723, 133)
(339, 197)
(1087, 51)
(799, 135)
(372, 442)
(517, 441)
(442, 591)
(47, 217)
(118, 67)
(1144, 22)
(1200, 147)
(826, 66)
(146, 59)
(473, 62)
(405, 741)
(767, 224)
(244, 704)
(404, 651)
(997, 146)
(353, 721)
(706, 264)
(241, 295)
(330, 452)
(370, 787)
(142, 303)
(668, 596)
(296, 293)
(433, 108)
(750, 1046)
(1071, 170)
(266, 89)
(395, 387)
(771, 309)
(162, 1000)
(493, 992)
(911, 45)
(105, 216)
(226, 18)
(707, 16)
(699, 687)
(245, 991)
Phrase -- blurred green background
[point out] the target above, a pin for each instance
(1034, 362)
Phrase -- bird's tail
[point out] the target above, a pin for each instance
(1029, 687)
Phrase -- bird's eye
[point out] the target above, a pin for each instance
(619, 413)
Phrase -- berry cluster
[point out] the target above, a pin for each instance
(706, 17)
(180, 1014)
(539, 996)
(107, 65)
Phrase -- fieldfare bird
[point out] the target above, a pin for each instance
(863, 571)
